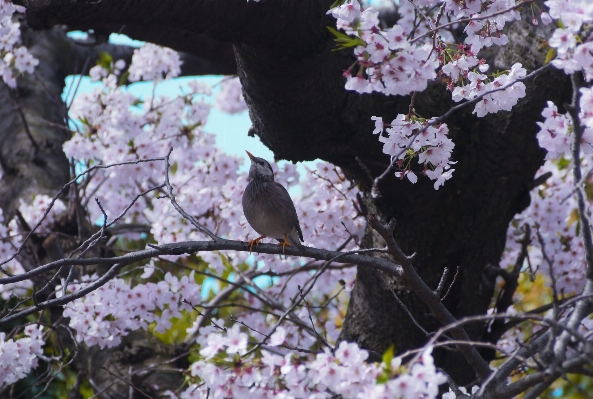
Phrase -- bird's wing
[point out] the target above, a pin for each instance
(287, 202)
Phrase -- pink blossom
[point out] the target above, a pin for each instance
(379, 125)
(236, 341)
(546, 19)
(278, 337)
(358, 83)
(347, 11)
(563, 40)
(215, 343)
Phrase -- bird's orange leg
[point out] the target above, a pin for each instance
(285, 243)
(255, 242)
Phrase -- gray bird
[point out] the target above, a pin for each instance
(268, 207)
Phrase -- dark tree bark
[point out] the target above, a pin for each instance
(293, 84)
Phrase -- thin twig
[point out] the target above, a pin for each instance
(320, 340)
(452, 283)
(415, 282)
(442, 282)
(208, 317)
(55, 198)
(127, 382)
(178, 208)
(405, 308)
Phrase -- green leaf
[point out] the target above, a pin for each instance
(354, 42)
(123, 78)
(109, 317)
(105, 60)
(550, 55)
(383, 377)
(84, 121)
(589, 189)
(563, 163)
(193, 126)
(388, 355)
(343, 40)
(337, 34)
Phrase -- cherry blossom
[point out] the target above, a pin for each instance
(409, 137)
(552, 206)
(13, 59)
(152, 62)
(230, 99)
(315, 376)
(572, 56)
(19, 356)
(390, 63)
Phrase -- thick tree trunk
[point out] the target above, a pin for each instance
(33, 123)
(32, 126)
(293, 85)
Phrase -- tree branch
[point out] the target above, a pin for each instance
(277, 23)
(215, 58)
(181, 248)
(429, 297)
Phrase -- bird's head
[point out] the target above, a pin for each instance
(260, 169)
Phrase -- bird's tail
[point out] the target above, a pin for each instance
(295, 236)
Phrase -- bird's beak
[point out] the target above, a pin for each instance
(249, 154)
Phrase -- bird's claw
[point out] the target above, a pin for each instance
(255, 241)
(284, 245)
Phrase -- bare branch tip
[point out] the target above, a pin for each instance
(391, 226)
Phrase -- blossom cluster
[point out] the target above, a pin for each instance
(39, 210)
(13, 58)
(19, 357)
(553, 207)
(230, 99)
(501, 93)
(572, 54)
(9, 242)
(391, 61)
(555, 135)
(323, 375)
(152, 62)
(108, 313)
(488, 21)
(409, 137)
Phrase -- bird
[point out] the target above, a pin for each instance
(268, 208)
